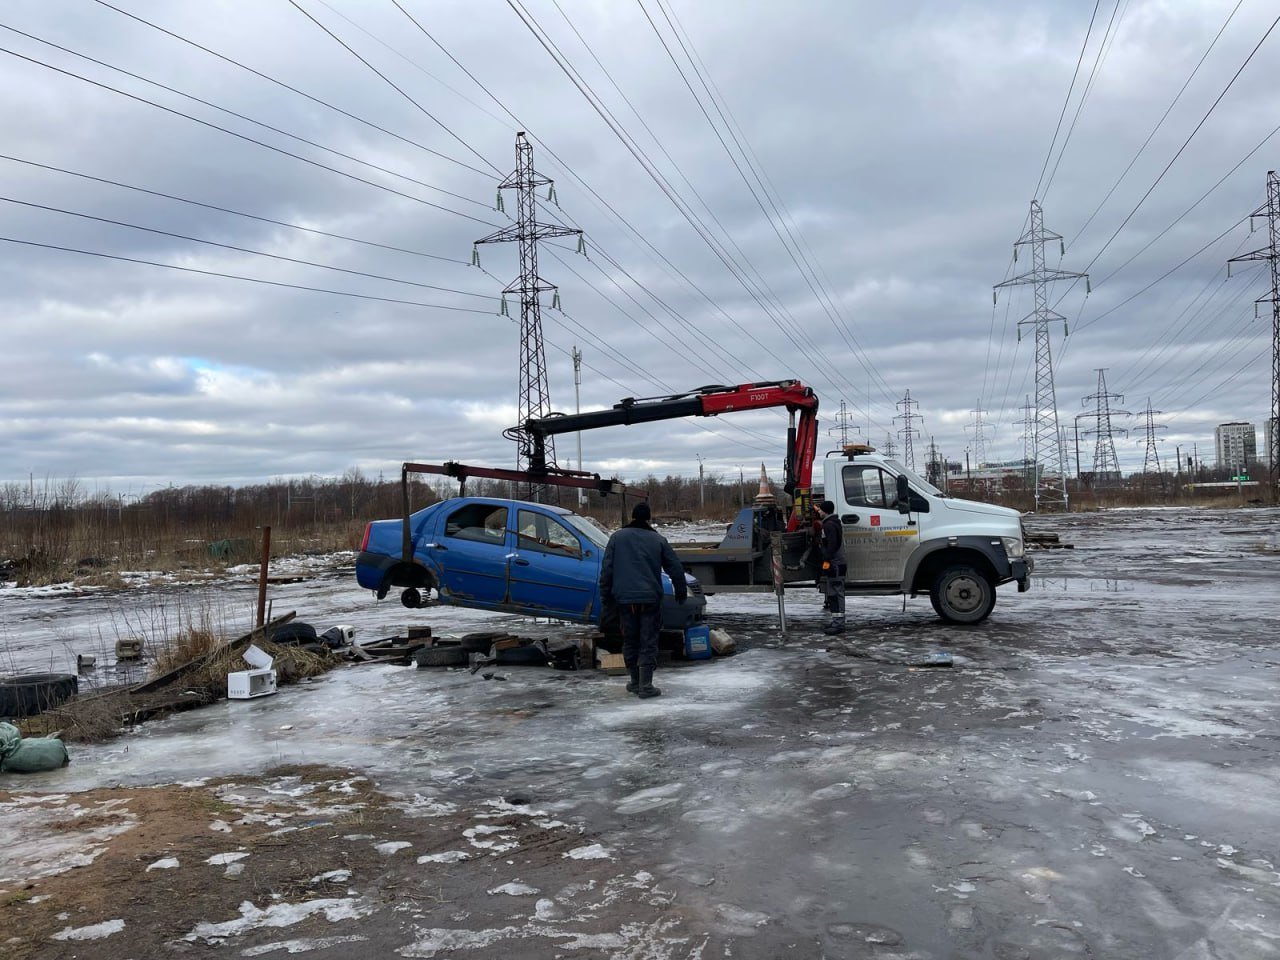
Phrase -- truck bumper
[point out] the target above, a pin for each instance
(1022, 573)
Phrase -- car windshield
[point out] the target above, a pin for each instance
(588, 528)
(917, 481)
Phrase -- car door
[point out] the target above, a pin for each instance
(471, 550)
(877, 538)
(550, 572)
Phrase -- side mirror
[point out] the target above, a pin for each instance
(904, 495)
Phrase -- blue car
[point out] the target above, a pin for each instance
(506, 555)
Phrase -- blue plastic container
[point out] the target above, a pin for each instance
(697, 642)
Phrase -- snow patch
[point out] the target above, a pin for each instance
(164, 863)
(595, 851)
(95, 931)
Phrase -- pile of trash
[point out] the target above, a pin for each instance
(20, 754)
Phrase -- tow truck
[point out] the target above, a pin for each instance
(902, 534)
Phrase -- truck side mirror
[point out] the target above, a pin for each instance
(904, 495)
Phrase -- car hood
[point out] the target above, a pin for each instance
(974, 508)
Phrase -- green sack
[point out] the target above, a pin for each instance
(9, 739)
(36, 755)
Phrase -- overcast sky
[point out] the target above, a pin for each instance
(864, 169)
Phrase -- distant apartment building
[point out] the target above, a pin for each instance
(1236, 444)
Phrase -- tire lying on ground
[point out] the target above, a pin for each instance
(295, 631)
(530, 655)
(451, 656)
(32, 693)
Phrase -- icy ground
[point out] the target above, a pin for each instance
(1096, 775)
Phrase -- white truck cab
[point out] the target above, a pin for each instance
(904, 535)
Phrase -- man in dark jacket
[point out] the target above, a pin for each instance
(831, 545)
(631, 576)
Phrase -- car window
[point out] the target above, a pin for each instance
(537, 531)
(481, 522)
(867, 486)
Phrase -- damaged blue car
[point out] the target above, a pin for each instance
(511, 556)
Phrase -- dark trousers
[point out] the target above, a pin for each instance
(641, 623)
(833, 590)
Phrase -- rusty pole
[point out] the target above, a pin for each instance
(262, 576)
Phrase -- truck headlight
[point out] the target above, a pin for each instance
(1013, 546)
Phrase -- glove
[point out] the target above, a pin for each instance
(826, 565)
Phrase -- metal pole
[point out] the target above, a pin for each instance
(577, 408)
(262, 576)
(702, 496)
(777, 582)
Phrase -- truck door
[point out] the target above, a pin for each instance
(471, 551)
(877, 538)
(550, 574)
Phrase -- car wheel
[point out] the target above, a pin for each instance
(452, 656)
(411, 598)
(32, 693)
(961, 594)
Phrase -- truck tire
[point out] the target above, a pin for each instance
(32, 693)
(961, 594)
(411, 597)
(452, 656)
(293, 632)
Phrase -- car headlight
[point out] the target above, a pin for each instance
(1013, 546)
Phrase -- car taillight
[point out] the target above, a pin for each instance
(368, 529)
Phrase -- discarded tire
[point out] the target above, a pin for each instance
(452, 656)
(295, 631)
(476, 643)
(32, 693)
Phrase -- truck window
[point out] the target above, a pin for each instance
(866, 485)
(481, 522)
(537, 531)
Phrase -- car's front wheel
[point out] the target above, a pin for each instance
(961, 594)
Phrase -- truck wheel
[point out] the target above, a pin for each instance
(411, 598)
(962, 594)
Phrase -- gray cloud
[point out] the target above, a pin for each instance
(904, 144)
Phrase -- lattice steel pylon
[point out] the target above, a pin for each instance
(1028, 424)
(908, 432)
(935, 468)
(1153, 454)
(890, 448)
(1106, 465)
(534, 393)
(1051, 463)
(1270, 211)
(979, 443)
(843, 422)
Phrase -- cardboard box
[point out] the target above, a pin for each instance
(257, 682)
(611, 663)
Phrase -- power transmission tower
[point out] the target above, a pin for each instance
(843, 422)
(890, 448)
(908, 416)
(534, 394)
(1106, 465)
(1028, 423)
(576, 355)
(1153, 455)
(979, 443)
(1271, 252)
(1051, 464)
(935, 469)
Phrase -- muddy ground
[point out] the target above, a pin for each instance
(1093, 776)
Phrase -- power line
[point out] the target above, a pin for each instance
(391, 83)
(292, 89)
(240, 136)
(233, 276)
(228, 210)
(239, 249)
(240, 116)
(1067, 99)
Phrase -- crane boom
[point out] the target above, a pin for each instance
(708, 401)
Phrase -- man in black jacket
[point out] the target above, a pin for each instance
(831, 545)
(631, 576)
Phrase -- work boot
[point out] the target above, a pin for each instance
(647, 689)
(834, 627)
(634, 685)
